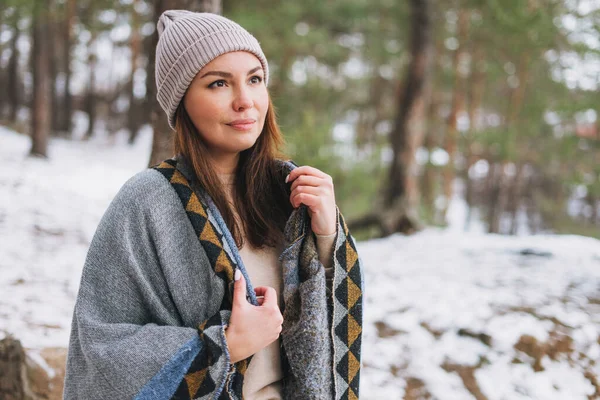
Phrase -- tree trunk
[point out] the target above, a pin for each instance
(515, 198)
(515, 103)
(475, 96)
(133, 120)
(458, 105)
(12, 76)
(162, 136)
(54, 47)
(408, 125)
(529, 201)
(211, 6)
(496, 193)
(161, 140)
(90, 99)
(517, 94)
(593, 202)
(40, 113)
(431, 176)
(428, 177)
(64, 123)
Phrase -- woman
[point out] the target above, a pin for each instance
(223, 272)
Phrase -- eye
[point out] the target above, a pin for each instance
(256, 79)
(219, 83)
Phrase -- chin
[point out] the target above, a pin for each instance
(243, 145)
(248, 141)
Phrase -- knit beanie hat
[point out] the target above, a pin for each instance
(187, 41)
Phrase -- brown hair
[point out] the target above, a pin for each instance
(261, 197)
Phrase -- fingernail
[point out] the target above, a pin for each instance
(287, 177)
(237, 275)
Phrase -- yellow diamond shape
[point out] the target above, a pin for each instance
(209, 234)
(353, 366)
(195, 380)
(353, 293)
(351, 256)
(224, 265)
(194, 205)
(354, 330)
(179, 178)
(352, 395)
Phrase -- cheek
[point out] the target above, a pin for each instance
(263, 102)
(202, 111)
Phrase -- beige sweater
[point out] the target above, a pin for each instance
(262, 380)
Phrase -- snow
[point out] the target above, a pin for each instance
(434, 300)
(37, 358)
(49, 210)
(485, 284)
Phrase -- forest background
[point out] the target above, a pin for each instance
(476, 120)
(407, 104)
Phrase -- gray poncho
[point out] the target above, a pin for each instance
(155, 297)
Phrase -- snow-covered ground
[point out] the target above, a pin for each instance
(49, 210)
(441, 301)
(448, 315)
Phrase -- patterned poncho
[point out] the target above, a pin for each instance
(155, 297)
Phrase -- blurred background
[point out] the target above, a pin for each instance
(463, 138)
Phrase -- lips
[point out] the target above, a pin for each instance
(242, 121)
(242, 124)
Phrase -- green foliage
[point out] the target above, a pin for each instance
(338, 62)
(522, 82)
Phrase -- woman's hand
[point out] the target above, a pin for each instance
(251, 328)
(314, 189)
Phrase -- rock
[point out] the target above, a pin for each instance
(31, 374)
(56, 358)
(14, 384)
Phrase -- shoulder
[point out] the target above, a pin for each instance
(288, 162)
(286, 166)
(143, 186)
(146, 192)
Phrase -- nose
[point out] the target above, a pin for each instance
(243, 99)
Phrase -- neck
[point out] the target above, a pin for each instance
(225, 163)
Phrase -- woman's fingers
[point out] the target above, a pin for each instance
(316, 190)
(306, 170)
(302, 193)
(268, 294)
(307, 180)
(239, 290)
(309, 200)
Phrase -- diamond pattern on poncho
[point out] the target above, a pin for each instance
(348, 329)
(347, 304)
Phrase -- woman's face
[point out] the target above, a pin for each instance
(227, 101)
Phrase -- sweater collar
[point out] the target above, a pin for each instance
(298, 222)
(186, 169)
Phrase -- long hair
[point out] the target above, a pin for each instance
(261, 197)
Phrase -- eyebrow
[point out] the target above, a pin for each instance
(227, 74)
